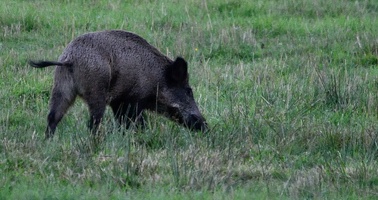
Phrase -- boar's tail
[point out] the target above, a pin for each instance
(42, 64)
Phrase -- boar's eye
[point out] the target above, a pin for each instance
(189, 91)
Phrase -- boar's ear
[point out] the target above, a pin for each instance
(177, 72)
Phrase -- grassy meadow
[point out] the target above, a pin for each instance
(289, 89)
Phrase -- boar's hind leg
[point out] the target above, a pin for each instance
(59, 104)
(96, 110)
(128, 114)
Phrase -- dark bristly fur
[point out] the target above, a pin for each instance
(122, 70)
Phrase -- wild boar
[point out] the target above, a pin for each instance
(122, 70)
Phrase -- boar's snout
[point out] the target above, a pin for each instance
(196, 122)
(191, 120)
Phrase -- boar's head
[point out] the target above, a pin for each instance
(175, 97)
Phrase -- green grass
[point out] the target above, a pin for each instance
(288, 87)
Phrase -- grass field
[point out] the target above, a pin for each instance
(289, 89)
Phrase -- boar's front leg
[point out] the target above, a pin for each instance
(128, 114)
